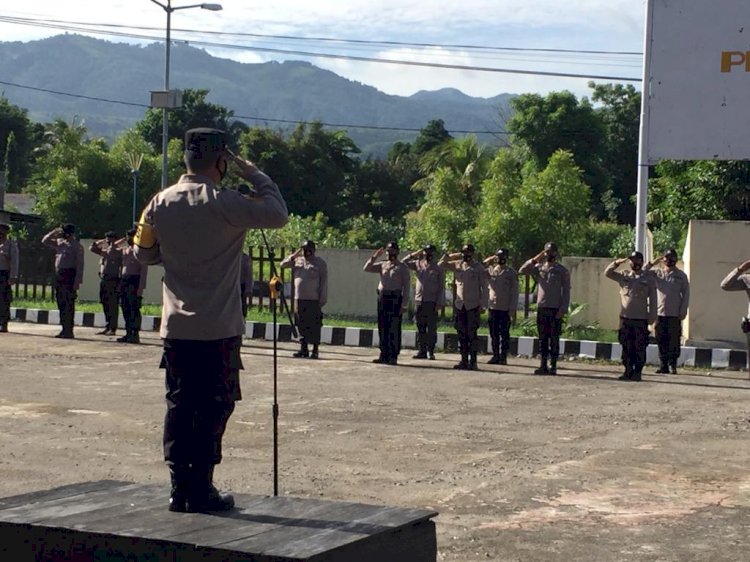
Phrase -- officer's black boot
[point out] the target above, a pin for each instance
(673, 367)
(203, 494)
(303, 351)
(503, 359)
(3, 327)
(421, 354)
(314, 354)
(636, 376)
(542, 370)
(463, 364)
(553, 366)
(473, 361)
(179, 476)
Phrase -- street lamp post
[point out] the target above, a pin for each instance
(135, 160)
(165, 108)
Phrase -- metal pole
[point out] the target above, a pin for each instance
(135, 192)
(642, 192)
(165, 110)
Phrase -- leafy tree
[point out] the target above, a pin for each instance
(297, 230)
(15, 122)
(431, 136)
(534, 207)
(560, 122)
(381, 189)
(366, 231)
(620, 113)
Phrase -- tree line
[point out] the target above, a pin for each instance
(567, 171)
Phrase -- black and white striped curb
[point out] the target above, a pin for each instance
(702, 357)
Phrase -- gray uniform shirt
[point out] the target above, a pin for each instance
(637, 293)
(199, 232)
(552, 284)
(737, 281)
(503, 285)
(131, 266)
(310, 278)
(430, 281)
(68, 254)
(471, 283)
(394, 276)
(111, 259)
(9, 258)
(672, 292)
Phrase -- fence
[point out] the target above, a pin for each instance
(36, 271)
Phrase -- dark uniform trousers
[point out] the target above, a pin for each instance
(426, 318)
(633, 338)
(202, 383)
(109, 288)
(467, 325)
(548, 326)
(389, 324)
(309, 318)
(131, 303)
(243, 297)
(66, 296)
(668, 332)
(499, 324)
(6, 297)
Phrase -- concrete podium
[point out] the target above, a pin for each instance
(122, 521)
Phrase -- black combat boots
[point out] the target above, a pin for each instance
(179, 476)
(204, 496)
(542, 370)
(303, 351)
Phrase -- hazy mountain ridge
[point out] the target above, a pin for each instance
(294, 91)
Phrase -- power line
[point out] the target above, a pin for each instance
(248, 117)
(348, 57)
(333, 39)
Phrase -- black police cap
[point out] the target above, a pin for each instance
(110, 234)
(467, 249)
(204, 140)
(671, 254)
(308, 245)
(550, 247)
(68, 228)
(636, 256)
(392, 245)
(4, 228)
(502, 253)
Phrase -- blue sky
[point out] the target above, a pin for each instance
(606, 25)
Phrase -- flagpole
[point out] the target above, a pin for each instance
(643, 152)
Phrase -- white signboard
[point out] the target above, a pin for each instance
(699, 101)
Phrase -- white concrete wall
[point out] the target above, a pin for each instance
(588, 285)
(713, 248)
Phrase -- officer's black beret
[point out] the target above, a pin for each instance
(392, 245)
(636, 256)
(4, 227)
(308, 245)
(110, 234)
(68, 228)
(502, 253)
(550, 247)
(429, 248)
(204, 140)
(671, 254)
(468, 248)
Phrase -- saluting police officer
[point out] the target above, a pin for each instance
(503, 304)
(553, 299)
(471, 297)
(110, 264)
(310, 274)
(638, 308)
(393, 296)
(197, 230)
(132, 282)
(739, 280)
(8, 274)
(68, 273)
(673, 294)
(429, 298)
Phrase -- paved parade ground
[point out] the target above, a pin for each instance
(520, 467)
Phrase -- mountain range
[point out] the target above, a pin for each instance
(73, 76)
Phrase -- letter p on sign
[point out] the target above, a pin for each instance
(734, 58)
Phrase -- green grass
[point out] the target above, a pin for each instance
(254, 315)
